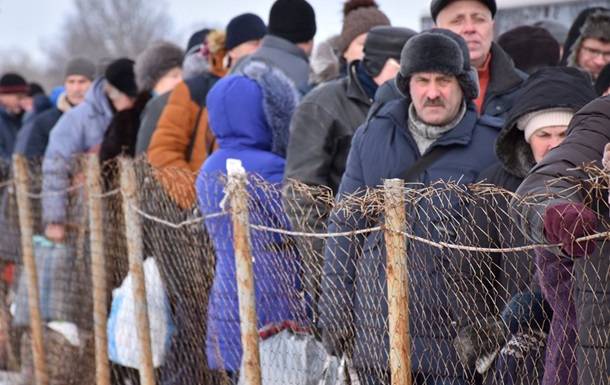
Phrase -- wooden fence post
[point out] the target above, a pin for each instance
(98, 270)
(398, 285)
(26, 225)
(133, 230)
(244, 272)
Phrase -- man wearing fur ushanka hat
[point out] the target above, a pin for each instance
(436, 119)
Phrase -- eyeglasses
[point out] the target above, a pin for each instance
(595, 52)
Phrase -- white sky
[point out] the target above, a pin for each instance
(28, 24)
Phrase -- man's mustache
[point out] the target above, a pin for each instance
(434, 103)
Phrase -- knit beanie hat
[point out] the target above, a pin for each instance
(293, 20)
(243, 28)
(81, 66)
(35, 89)
(436, 6)
(381, 44)
(359, 16)
(120, 75)
(526, 312)
(558, 30)
(438, 50)
(196, 41)
(532, 122)
(603, 80)
(596, 26)
(12, 83)
(156, 61)
(531, 48)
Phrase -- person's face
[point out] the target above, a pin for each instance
(245, 48)
(593, 55)
(437, 97)
(13, 102)
(472, 20)
(544, 139)
(76, 88)
(27, 103)
(355, 49)
(168, 81)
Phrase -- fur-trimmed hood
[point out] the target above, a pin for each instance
(596, 26)
(253, 109)
(544, 89)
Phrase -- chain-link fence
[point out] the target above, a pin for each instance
(253, 283)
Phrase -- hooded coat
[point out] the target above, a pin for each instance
(588, 283)
(489, 280)
(354, 285)
(250, 117)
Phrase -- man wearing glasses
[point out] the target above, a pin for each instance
(591, 51)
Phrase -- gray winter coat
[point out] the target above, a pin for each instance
(587, 135)
(78, 131)
(150, 117)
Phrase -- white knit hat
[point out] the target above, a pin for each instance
(532, 122)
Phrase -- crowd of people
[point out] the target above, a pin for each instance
(374, 102)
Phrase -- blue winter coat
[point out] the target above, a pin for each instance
(239, 123)
(78, 131)
(354, 287)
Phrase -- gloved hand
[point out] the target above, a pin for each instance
(477, 341)
(333, 342)
(565, 222)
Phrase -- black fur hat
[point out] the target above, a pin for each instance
(438, 50)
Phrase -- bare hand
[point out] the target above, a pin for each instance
(55, 232)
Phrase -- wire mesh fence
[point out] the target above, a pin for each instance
(164, 277)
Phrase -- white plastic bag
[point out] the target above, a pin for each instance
(123, 345)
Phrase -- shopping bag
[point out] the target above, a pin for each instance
(123, 342)
(57, 286)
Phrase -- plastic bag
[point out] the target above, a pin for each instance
(57, 288)
(123, 343)
(296, 358)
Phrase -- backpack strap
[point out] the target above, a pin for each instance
(423, 163)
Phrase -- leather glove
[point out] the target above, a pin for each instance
(333, 343)
(565, 222)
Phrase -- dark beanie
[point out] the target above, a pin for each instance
(438, 50)
(196, 41)
(243, 28)
(381, 44)
(437, 6)
(12, 83)
(293, 20)
(603, 80)
(35, 89)
(359, 16)
(81, 66)
(120, 75)
(531, 48)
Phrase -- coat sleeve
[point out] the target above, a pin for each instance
(57, 168)
(169, 143)
(341, 252)
(150, 119)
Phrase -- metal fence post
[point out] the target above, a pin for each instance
(398, 293)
